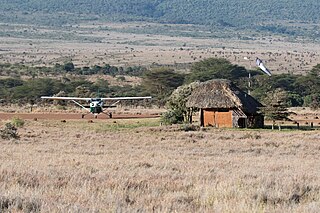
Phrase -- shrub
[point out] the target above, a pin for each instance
(121, 78)
(189, 127)
(17, 122)
(250, 136)
(9, 132)
(18, 204)
(172, 117)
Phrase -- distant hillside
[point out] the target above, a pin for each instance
(279, 16)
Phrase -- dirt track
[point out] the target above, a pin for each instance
(303, 121)
(70, 116)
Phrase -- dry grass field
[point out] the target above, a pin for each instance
(135, 165)
(129, 44)
(138, 166)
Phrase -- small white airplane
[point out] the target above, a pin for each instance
(96, 104)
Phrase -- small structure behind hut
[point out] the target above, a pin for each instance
(222, 104)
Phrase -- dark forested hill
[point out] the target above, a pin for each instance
(270, 15)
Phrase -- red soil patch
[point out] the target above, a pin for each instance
(70, 116)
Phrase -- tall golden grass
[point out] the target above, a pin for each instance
(93, 167)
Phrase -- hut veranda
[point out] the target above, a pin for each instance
(222, 104)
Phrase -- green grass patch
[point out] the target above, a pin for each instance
(119, 125)
(111, 125)
(17, 122)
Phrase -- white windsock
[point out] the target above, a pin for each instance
(262, 67)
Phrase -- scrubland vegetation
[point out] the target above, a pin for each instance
(85, 167)
(67, 48)
(160, 82)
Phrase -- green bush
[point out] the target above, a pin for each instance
(172, 117)
(17, 122)
(312, 101)
(121, 78)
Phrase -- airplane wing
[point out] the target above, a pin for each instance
(125, 98)
(73, 99)
(65, 98)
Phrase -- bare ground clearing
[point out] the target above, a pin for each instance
(106, 166)
(302, 115)
(70, 116)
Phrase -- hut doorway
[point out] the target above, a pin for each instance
(242, 123)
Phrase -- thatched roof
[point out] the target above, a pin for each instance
(223, 94)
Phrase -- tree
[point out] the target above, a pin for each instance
(309, 84)
(275, 105)
(261, 84)
(68, 66)
(309, 87)
(102, 88)
(313, 101)
(82, 91)
(161, 82)
(176, 104)
(315, 71)
(212, 68)
(36, 88)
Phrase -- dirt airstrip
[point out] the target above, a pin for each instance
(70, 116)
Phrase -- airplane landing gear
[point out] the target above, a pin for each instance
(83, 115)
(109, 114)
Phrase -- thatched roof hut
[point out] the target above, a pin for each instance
(223, 96)
(220, 93)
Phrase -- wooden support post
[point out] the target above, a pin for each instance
(201, 118)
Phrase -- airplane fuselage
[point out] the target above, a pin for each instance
(96, 106)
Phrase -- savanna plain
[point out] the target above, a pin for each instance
(136, 165)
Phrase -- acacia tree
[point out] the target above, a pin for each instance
(315, 95)
(212, 68)
(315, 71)
(161, 82)
(276, 105)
